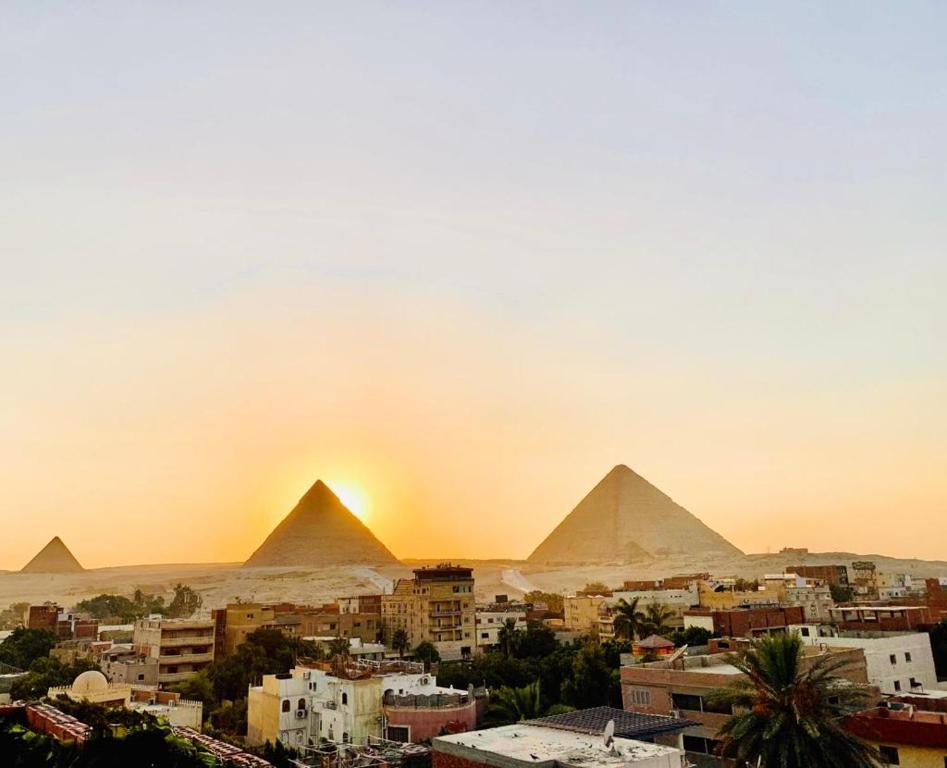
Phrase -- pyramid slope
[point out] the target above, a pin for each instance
(625, 518)
(55, 557)
(320, 531)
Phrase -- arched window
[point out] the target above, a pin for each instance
(301, 704)
(345, 698)
(285, 705)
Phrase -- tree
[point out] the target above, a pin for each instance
(551, 600)
(185, 602)
(691, 636)
(47, 672)
(264, 652)
(427, 653)
(511, 705)
(595, 588)
(656, 619)
(24, 646)
(198, 687)
(536, 642)
(840, 593)
(339, 646)
(508, 638)
(400, 642)
(787, 715)
(591, 681)
(628, 620)
(939, 648)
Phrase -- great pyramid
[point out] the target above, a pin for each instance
(55, 557)
(321, 531)
(624, 518)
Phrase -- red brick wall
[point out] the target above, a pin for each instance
(443, 760)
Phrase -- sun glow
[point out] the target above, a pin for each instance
(354, 497)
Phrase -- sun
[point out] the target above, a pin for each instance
(354, 497)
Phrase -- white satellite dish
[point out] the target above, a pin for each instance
(608, 738)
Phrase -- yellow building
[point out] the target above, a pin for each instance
(436, 606)
(182, 647)
(908, 737)
(581, 612)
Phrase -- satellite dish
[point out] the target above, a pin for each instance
(608, 738)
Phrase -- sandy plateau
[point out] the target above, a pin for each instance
(220, 583)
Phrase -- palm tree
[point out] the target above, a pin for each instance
(339, 646)
(628, 621)
(511, 705)
(787, 715)
(508, 637)
(656, 620)
(400, 642)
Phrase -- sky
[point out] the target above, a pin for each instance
(459, 259)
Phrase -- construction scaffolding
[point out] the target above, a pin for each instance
(377, 753)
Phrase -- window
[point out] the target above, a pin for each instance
(915, 683)
(696, 744)
(285, 705)
(805, 631)
(639, 697)
(345, 737)
(345, 700)
(897, 685)
(141, 676)
(907, 657)
(484, 635)
(890, 755)
(686, 701)
(301, 704)
(400, 733)
(894, 659)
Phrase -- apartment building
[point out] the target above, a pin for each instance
(182, 647)
(437, 606)
(62, 623)
(895, 663)
(830, 575)
(880, 618)
(745, 622)
(354, 702)
(683, 687)
(490, 622)
(581, 612)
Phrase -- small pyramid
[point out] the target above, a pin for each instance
(55, 557)
(624, 518)
(321, 531)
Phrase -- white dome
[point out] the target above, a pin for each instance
(90, 682)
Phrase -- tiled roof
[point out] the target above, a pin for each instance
(628, 725)
(655, 641)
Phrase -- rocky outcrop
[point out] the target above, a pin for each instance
(624, 518)
(55, 557)
(321, 531)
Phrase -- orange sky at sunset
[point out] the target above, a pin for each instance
(470, 437)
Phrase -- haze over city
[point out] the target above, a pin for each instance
(458, 261)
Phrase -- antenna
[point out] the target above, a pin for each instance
(608, 738)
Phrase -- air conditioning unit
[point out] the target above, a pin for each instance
(300, 714)
(307, 675)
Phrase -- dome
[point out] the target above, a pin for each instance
(90, 682)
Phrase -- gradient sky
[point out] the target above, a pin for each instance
(466, 257)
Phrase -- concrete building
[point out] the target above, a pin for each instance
(682, 687)
(354, 702)
(905, 735)
(830, 575)
(527, 744)
(745, 622)
(121, 664)
(489, 624)
(437, 606)
(93, 687)
(881, 618)
(864, 579)
(581, 612)
(62, 623)
(181, 647)
(895, 663)
(815, 600)
(676, 600)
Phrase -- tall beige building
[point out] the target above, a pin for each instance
(182, 647)
(437, 606)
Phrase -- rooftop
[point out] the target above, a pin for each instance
(902, 726)
(538, 745)
(628, 725)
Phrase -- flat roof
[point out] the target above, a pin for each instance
(533, 744)
(628, 725)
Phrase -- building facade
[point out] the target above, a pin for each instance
(182, 647)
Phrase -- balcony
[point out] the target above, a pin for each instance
(186, 658)
(195, 639)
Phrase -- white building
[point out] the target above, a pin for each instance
(489, 624)
(520, 745)
(896, 663)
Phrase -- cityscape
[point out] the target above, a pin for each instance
(473, 384)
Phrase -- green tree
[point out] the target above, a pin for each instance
(787, 715)
(339, 646)
(591, 682)
(690, 636)
(628, 620)
(938, 635)
(840, 593)
(427, 654)
(400, 642)
(508, 638)
(656, 618)
(47, 672)
(510, 705)
(552, 600)
(595, 588)
(264, 652)
(185, 602)
(198, 687)
(536, 642)
(24, 646)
